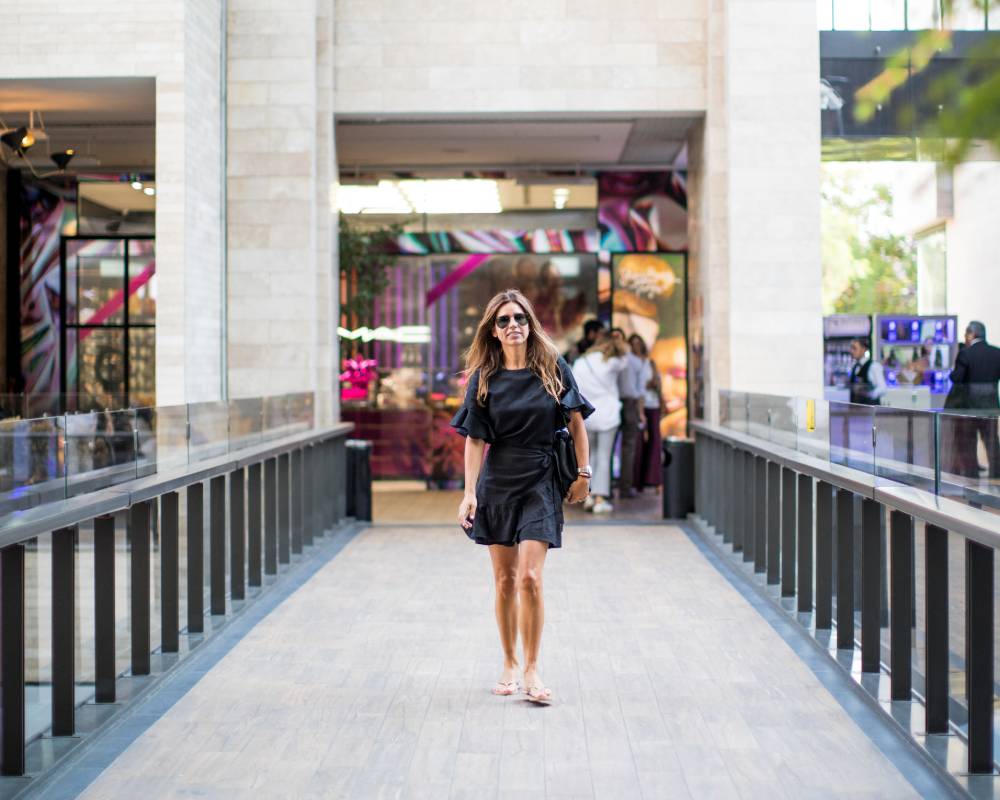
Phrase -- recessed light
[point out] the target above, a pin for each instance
(137, 185)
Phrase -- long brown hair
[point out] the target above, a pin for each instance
(485, 354)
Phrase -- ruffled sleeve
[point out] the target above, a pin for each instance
(472, 419)
(571, 399)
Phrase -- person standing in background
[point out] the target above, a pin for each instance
(596, 373)
(647, 455)
(974, 386)
(630, 390)
(592, 329)
(867, 378)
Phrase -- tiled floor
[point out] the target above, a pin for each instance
(373, 681)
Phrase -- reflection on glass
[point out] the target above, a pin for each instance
(851, 443)
(970, 455)
(142, 366)
(95, 281)
(209, 430)
(904, 447)
(100, 450)
(141, 282)
(97, 366)
(31, 461)
(165, 443)
(246, 417)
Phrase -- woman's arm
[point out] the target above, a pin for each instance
(581, 486)
(473, 463)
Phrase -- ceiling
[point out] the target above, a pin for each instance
(110, 122)
(436, 145)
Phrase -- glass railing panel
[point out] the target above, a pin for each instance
(851, 440)
(208, 430)
(812, 427)
(246, 422)
(969, 456)
(100, 450)
(275, 416)
(904, 447)
(163, 438)
(32, 465)
(759, 415)
(301, 413)
(735, 408)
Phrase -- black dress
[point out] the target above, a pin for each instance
(517, 495)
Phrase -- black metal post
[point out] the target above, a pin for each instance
(169, 572)
(104, 609)
(760, 515)
(339, 465)
(845, 569)
(979, 654)
(271, 517)
(773, 522)
(936, 592)
(296, 480)
(237, 536)
(217, 545)
(738, 499)
(871, 584)
(728, 507)
(63, 632)
(805, 544)
(12, 673)
(824, 555)
(699, 475)
(318, 489)
(284, 507)
(308, 502)
(901, 604)
(138, 533)
(196, 557)
(787, 532)
(254, 537)
(329, 487)
(752, 501)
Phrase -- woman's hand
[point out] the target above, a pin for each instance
(467, 510)
(578, 490)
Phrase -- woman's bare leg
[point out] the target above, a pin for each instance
(531, 606)
(505, 581)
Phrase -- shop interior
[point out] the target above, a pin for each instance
(77, 247)
(588, 217)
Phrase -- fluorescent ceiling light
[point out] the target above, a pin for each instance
(384, 198)
(452, 196)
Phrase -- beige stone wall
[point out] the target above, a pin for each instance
(520, 55)
(755, 200)
(178, 44)
(279, 171)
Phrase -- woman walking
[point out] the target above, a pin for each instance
(520, 393)
(647, 456)
(596, 373)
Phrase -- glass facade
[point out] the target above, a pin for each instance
(913, 15)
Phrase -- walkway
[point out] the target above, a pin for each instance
(372, 681)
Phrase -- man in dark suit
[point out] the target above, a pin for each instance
(974, 386)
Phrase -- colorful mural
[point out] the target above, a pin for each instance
(642, 212)
(498, 241)
(45, 217)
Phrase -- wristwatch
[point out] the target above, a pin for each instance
(585, 471)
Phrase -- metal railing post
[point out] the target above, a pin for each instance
(104, 609)
(271, 517)
(196, 558)
(871, 585)
(936, 642)
(728, 507)
(805, 545)
(217, 545)
(979, 649)
(739, 499)
(845, 570)
(787, 532)
(824, 555)
(254, 519)
(169, 572)
(237, 535)
(138, 534)
(901, 604)
(760, 516)
(64, 631)
(751, 501)
(773, 522)
(12, 672)
(298, 539)
(284, 508)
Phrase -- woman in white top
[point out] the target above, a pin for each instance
(596, 373)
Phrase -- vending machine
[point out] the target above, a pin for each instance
(917, 352)
(838, 331)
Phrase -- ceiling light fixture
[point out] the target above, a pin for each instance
(560, 196)
(149, 191)
(62, 159)
(137, 185)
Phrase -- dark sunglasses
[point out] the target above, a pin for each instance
(521, 320)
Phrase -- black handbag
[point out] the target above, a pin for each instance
(565, 458)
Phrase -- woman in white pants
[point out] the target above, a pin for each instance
(596, 373)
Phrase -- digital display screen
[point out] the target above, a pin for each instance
(910, 330)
